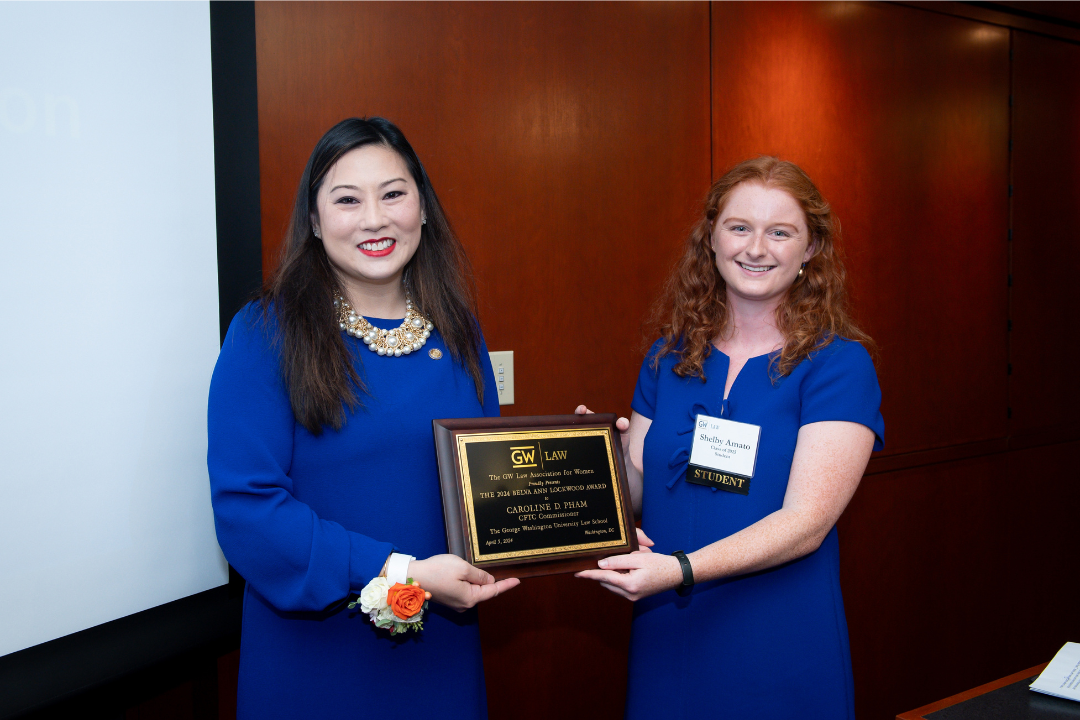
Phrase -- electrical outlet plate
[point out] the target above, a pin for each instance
(503, 364)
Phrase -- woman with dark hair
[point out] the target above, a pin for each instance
(754, 417)
(321, 458)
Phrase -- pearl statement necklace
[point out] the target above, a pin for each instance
(410, 336)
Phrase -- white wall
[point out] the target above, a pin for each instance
(108, 313)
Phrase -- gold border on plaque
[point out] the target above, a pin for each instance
(464, 440)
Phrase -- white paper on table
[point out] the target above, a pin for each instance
(1061, 678)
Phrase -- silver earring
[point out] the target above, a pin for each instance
(315, 231)
(423, 221)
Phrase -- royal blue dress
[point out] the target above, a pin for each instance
(771, 644)
(308, 519)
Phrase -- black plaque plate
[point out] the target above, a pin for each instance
(527, 496)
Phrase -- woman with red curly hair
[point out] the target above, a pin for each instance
(754, 416)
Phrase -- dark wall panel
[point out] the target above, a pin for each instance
(950, 575)
(901, 117)
(570, 145)
(1044, 392)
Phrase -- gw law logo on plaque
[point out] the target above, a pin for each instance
(523, 457)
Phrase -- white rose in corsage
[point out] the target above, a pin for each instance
(373, 596)
(398, 608)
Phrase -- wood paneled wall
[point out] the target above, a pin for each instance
(566, 140)
(1043, 394)
(901, 117)
(954, 574)
(572, 144)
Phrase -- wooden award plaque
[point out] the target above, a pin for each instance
(528, 496)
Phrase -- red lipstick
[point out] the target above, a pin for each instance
(378, 253)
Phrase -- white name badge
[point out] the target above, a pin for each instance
(724, 454)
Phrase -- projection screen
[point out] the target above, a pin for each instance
(109, 320)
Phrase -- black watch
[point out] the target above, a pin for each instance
(687, 574)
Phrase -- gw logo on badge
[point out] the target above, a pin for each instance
(523, 457)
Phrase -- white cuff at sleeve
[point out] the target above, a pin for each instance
(397, 568)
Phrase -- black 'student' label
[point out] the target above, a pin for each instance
(718, 480)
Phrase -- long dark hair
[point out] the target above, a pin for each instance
(318, 366)
(693, 309)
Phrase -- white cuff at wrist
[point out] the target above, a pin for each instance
(397, 568)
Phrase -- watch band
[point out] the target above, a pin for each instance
(687, 574)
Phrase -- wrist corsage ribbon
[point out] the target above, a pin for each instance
(398, 608)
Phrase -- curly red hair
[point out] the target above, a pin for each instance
(693, 309)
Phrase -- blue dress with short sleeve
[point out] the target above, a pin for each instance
(309, 519)
(770, 644)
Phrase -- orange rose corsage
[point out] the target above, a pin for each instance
(406, 600)
(397, 608)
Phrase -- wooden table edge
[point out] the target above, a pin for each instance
(920, 713)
